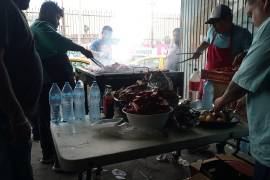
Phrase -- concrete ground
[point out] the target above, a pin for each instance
(141, 169)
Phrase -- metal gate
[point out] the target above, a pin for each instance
(193, 15)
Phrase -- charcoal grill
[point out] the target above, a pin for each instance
(119, 80)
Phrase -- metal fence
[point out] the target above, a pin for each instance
(85, 25)
(80, 26)
(193, 15)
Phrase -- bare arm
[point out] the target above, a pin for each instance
(232, 93)
(76, 47)
(204, 45)
(64, 44)
(9, 102)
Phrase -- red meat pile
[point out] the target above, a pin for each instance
(147, 103)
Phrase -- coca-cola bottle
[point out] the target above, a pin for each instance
(108, 109)
(194, 85)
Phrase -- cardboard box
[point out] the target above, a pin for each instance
(220, 79)
(221, 166)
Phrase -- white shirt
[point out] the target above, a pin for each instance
(172, 58)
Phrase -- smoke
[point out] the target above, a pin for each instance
(131, 25)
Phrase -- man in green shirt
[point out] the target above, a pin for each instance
(252, 80)
(52, 48)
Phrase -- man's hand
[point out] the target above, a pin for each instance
(238, 59)
(219, 103)
(87, 53)
(196, 55)
(204, 45)
(20, 127)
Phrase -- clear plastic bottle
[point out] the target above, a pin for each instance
(55, 103)
(208, 95)
(67, 103)
(79, 101)
(94, 102)
(194, 84)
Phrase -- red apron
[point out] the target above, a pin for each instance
(217, 58)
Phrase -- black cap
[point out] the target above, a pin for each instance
(107, 28)
(218, 13)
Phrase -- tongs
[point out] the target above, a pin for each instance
(185, 60)
(97, 62)
(185, 53)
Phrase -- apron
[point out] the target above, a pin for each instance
(217, 58)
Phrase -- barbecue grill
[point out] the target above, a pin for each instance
(119, 80)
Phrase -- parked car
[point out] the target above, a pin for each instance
(152, 62)
(78, 60)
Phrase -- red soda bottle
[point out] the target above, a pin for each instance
(194, 85)
(108, 107)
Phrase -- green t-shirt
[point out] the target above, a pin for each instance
(254, 76)
(48, 41)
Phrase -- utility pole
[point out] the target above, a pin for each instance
(152, 7)
(63, 20)
(80, 21)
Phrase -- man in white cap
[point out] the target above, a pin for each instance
(225, 41)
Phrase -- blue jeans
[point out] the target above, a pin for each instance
(262, 172)
(15, 158)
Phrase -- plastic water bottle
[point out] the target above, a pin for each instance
(94, 103)
(55, 103)
(208, 95)
(79, 100)
(67, 103)
(194, 84)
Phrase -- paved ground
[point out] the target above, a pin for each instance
(142, 169)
